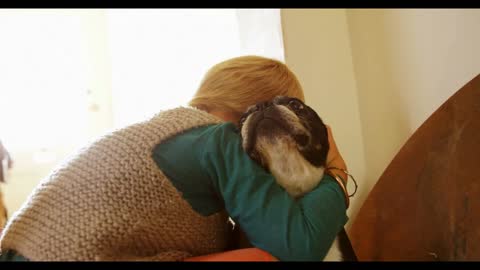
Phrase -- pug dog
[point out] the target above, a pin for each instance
(288, 139)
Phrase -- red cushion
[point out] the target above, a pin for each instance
(246, 254)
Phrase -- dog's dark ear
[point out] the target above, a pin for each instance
(317, 154)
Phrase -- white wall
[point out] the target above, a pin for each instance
(317, 49)
(407, 63)
(377, 75)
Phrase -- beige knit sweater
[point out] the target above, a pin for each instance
(110, 201)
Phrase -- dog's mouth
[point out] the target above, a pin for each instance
(268, 124)
(258, 125)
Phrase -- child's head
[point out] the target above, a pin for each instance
(233, 85)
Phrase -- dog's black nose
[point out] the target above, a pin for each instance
(271, 112)
(258, 107)
(262, 106)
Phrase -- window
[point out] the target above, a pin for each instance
(54, 92)
(42, 79)
(68, 76)
(160, 56)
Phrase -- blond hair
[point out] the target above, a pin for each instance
(235, 84)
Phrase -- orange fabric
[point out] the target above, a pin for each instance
(246, 255)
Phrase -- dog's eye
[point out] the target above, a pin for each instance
(295, 105)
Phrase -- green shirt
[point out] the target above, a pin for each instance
(210, 168)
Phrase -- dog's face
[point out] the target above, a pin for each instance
(289, 139)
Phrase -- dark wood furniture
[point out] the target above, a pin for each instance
(426, 204)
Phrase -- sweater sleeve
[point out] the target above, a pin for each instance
(273, 221)
(212, 160)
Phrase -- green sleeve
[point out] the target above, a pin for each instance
(290, 230)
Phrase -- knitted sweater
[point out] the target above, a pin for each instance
(110, 201)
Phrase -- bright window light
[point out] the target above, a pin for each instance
(50, 60)
(42, 79)
(159, 56)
